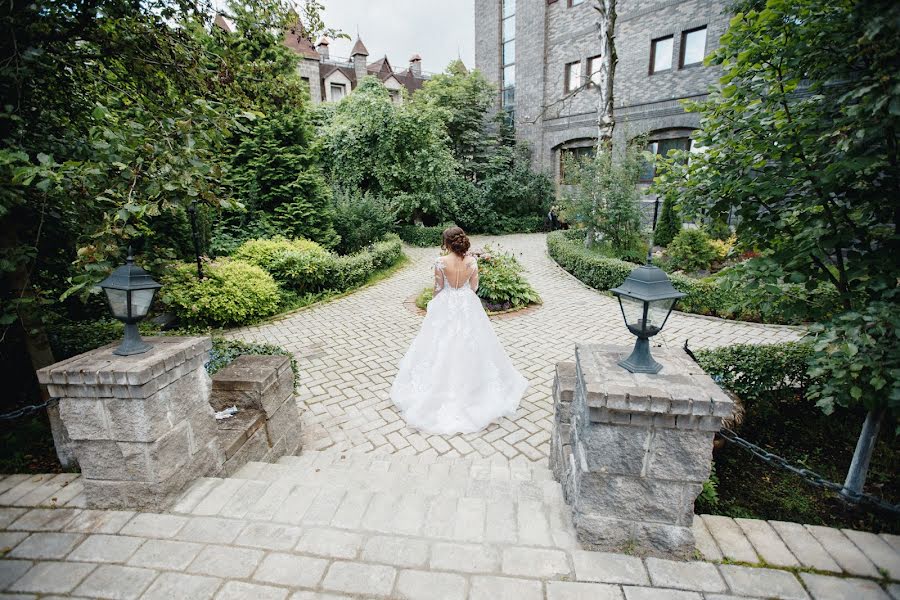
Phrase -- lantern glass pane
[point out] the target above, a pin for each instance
(657, 313)
(633, 310)
(118, 302)
(140, 302)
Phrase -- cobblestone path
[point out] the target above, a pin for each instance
(349, 350)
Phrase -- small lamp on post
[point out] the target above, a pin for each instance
(130, 291)
(646, 298)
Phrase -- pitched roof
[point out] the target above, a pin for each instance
(382, 65)
(359, 48)
(221, 23)
(295, 39)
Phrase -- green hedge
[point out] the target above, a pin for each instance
(423, 237)
(713, 295)
(752, 371)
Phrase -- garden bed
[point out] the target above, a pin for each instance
(502, 286)
(771, 381)
(715, 296)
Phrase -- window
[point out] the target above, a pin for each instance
(661, 55)
(573, 76)
(508, 58)
(395, 95)
(693, 47)
(661, 148)
(594, 69)
(338, 91)
(572, 155)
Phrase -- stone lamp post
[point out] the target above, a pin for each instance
(129, 292)
(646, 298)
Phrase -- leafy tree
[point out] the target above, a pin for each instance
(114, 115)
(376, 145)
(605, 198)
(275, 173)
(669, 223)
(463, 100)
(803, 143)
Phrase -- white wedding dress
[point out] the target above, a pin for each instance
(456, 377)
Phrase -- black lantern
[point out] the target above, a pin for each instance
(130, 291)
(646, 298)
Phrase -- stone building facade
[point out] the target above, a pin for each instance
(543, 53)
(331, 78)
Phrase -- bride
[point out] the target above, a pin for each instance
(455, 377)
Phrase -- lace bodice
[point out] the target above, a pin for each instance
(464, 278)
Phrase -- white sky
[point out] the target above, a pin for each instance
(438, 30)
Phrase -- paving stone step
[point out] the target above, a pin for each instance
(466, 519)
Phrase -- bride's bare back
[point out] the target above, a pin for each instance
(456, 271)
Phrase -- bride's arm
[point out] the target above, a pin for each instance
(438, 278)
(473, 278)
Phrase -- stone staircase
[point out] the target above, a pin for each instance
(482, 500)
(329, 525)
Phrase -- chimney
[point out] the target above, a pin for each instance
(322, 47)
(415, 65)
(359, 55)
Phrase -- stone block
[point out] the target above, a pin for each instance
(680, 455)
(360, 578)
(535, 562)
(764, 583)
(239, 590)
(823, 587)
(695, 576)
(615, 450)
(603, 533)
(465, 558)
(136, 461)
(659, 539)
(416, 585)
(568, 590)
(283, 421)
(278, 393)
(165, 554)
(223, 561)
(106, 549)
(179, 586)
(52, 578)
(492, 588)
(113, 581)
(633, 498)
(233, 433)
(85, 418)
(609, 568)
(150, 495)
(397, 551)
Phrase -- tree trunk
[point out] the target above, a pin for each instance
(607, 74)
(859, 466)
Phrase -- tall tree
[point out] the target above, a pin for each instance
(606, 121)
(803, 143)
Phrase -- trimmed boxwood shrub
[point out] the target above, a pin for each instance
(299, 264)
(691, 250)
(232, 293)
(423, 237)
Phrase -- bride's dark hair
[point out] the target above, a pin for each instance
(456, 241)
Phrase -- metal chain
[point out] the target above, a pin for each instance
(811, 477)
(27, 410)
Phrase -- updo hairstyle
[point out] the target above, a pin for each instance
(456, 241)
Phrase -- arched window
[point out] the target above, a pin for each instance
(576, 150)
(660, 143)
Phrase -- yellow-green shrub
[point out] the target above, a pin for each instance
(232, 293)
(298, 265)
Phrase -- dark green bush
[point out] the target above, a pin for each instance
(224, 351)
(752, 371)
(691, 250)
(360, 219)
(232, 293)
(669, 224)
(423, 237)
(501, 284)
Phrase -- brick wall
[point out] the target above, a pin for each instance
(548, 36)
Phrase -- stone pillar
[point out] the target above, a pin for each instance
(142, 425)
(640, 450)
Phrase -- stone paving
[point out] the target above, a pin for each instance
(335, 526)
(349, 350)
